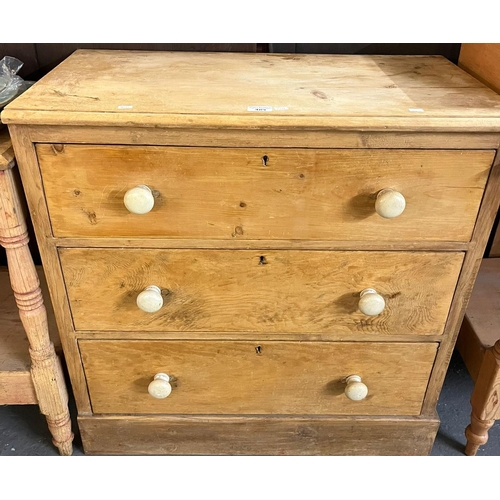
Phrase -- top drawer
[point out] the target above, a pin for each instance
(262, 194)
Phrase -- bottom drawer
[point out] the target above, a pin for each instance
(112, 435)
(241, 377)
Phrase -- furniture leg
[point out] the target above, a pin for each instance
(484, 401)
(46, 370)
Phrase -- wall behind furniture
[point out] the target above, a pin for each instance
(448, 50)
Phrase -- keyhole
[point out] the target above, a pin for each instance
(265, 159)
(258, 350)
(262, 261)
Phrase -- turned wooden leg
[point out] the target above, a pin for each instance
(484, 401)
(46, 371)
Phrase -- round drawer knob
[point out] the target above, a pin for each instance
(150, 299)
(370, 302)
(160, 387)
(139, 200)
(390, 203)
(355, 390)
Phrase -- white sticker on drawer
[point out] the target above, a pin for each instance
(260, 108)
(416, 110)
(125, 106)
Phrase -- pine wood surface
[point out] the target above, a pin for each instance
(251, 435)
(471, 265)
(256, 377)
(484, 400)
(32, 185)
(247, 138)
(435, 108)
(14, 356)
(482, 60)
(45, 367)
(309, 91)
(236, 244)
(479, 346)
(248, 290)
(6, 151)
(222, 193)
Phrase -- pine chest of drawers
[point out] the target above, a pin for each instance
(258, 253)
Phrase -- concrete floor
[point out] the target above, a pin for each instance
(23, 430)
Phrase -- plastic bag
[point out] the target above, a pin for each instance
(10, 84)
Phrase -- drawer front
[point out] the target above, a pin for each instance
(257, 378)
(292, 291)
(257, 435)
(272, 194)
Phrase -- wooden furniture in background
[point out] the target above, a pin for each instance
(479, 346)
(258, 253)
(37, 378)
(479, 331)
(482, 60)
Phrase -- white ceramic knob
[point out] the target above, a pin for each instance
(160, 387)
(139, 200)
(355, 390)
(370, 302)
(390, 203)
(150, 299)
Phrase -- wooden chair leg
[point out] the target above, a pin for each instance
(484, 401)
(46, 371)
(476, 434)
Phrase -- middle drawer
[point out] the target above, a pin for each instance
(289, 291)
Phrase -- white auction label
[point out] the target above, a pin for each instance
(416, 110)
(260, 108)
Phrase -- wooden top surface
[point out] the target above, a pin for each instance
(182, 89)
(483, 311)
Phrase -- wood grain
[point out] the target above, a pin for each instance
(33, 188)
(250, 335)
(236, 244)
(256, 377)
(381, 105)
(45, 367)
(310, 91)
(485, 400)
(480, 327)
(247, 435)
(14, 344)
(224, 193)
(472, 262)
(271, 291)
(262, 138)
(482, 60)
